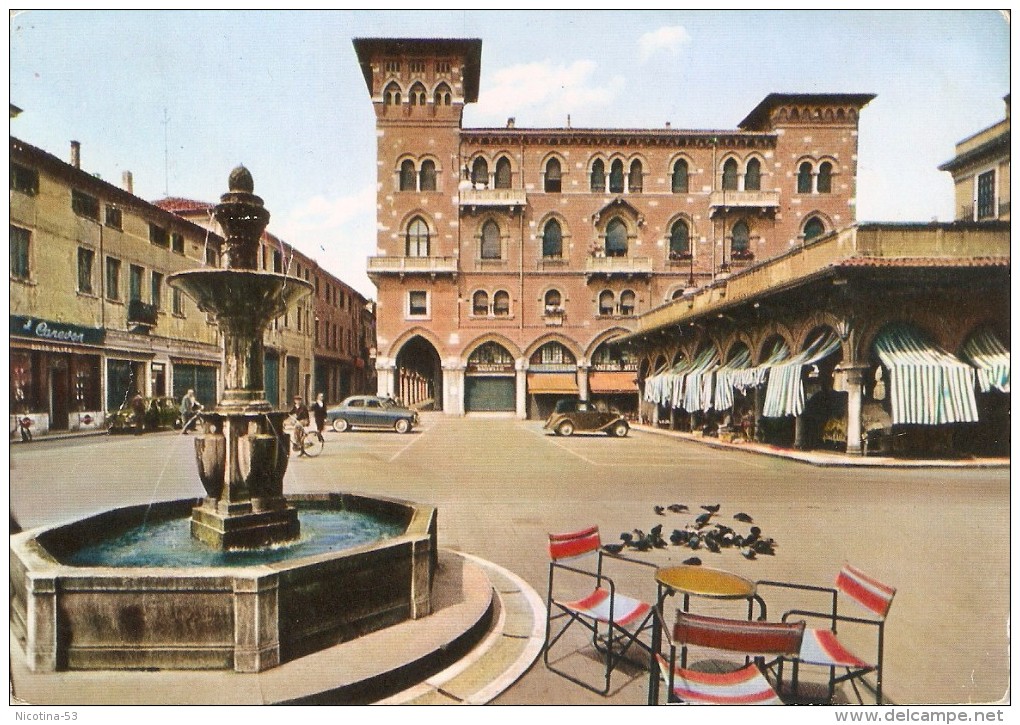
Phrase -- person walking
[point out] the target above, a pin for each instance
(138, 411)
(319, 413)
(189, 410)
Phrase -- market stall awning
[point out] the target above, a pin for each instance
(927, 385)
(552, 383)
(755, 376)
(784, 394)
(697, 394)
(615, 381)
(724, 377)
(985, 352)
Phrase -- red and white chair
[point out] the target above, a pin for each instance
(822, 647)
(615, 620)
(747, 685)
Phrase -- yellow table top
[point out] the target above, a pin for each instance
(704, 581)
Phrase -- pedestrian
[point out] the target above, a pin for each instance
(189, 410)
(138, 412)
(299, 412)
(319, 412)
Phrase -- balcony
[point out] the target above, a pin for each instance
(412, 265)
(721, 201)
(141, 316)
(511, 199)
(617, 266)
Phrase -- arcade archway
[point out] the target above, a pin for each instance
(418, 377)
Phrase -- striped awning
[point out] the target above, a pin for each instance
(616, 381)
(655, 386)
(724, 377)
(755, 376)
(698, 382)
(784, 394)
(927, 385)
(986, 352)
(545, 383)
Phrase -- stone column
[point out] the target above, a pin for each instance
(384, 370)
(522, 389)
(453, 388)
(855, 393)
(582, 381)
(798, 432)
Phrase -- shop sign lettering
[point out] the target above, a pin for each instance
(56, 331)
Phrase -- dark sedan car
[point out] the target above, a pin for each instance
(579, 415)
(370, 411)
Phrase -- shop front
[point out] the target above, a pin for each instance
(490, 380)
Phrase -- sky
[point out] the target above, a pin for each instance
(179, 98)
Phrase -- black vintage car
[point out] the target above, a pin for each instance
(570, 416)
(160, 413)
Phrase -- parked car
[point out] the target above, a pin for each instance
(371, 411)
(572, 415)
(160, 413)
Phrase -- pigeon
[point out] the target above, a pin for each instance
(702, 520)
(643, 544)
(747, 553)
(678, 536)
(660, 510)
(764, 546)
(655, 537)
(677, 508)
(693, 561)
(694, 542)
(753, 536)
(627, 537)
(712, 509)
(711, 544)
(743, 517)
(613, 548)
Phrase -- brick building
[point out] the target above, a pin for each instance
(509, 258)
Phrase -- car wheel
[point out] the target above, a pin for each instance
(565, 428)
(402, 426)
(340, 425)
(619, 429)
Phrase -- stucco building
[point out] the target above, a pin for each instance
(980, 172)
(508, 258)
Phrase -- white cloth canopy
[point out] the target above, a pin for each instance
(990, 357)
(784, 394)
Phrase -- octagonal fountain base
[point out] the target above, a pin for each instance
(247, 618)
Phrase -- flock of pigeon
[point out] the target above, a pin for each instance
(698, 535)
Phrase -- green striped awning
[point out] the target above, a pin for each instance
(985, 352)
(724, 377)
(927, 385)
(698, 382)
(784, 394)
(755, 376)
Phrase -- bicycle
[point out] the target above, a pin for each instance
(305, 442)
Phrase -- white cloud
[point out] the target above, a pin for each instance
(339, 233)
(668, 38)
(543, 93)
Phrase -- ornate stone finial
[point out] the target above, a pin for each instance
(240, 180)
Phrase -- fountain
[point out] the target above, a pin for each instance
(266, 597)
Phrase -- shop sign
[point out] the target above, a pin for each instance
(490, 368)
(55, 331)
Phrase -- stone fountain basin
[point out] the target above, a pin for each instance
(247, 618)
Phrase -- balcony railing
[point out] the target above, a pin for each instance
(618, 265)
(487, 198)
(744, 199)
(141, 314)
(412, 265)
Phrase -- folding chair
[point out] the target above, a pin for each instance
(748, 685)
(615, 620)
(822, 647)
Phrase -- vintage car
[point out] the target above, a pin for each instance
(370, 411)
(570, 416)
(160, 413)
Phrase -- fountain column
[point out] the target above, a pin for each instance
(242, 450)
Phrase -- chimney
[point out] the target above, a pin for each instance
(510, 122)
(128, 182)
(76, 154)
(669, 125)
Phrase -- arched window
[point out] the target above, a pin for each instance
(606, 300)
(636, 177)
(553, 353)
(480, 172)
(503, 175)
(627, 302)
(441, 97)
(490, 240)
(428, 175)
(553, 301)
(501, 304)
(825, 178)
(729, 175)
(553, 180)
(417, 238)
(391, 96)
(407, 175)
(740, 247)
(677, 294)
(480, 303)
(752, 177)
(679, 240)
(598, 176)
(680, 181)
(416, 96)
(616, 177)
(552, 240)
(813, 228)
(616, 238)
(804, 178)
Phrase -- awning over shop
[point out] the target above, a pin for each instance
(616, 381)
(784, 394)
(985, 352)
(753, 377)
(927, 385)
(725, 376)
(698, 382)
(552, 383)
(657, 386)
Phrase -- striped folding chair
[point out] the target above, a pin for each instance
(748, 685)
(615, 620)
(822, 647)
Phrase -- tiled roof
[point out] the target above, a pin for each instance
(924, 262)
(177, 204)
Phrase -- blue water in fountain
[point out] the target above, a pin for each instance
(169, 543)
